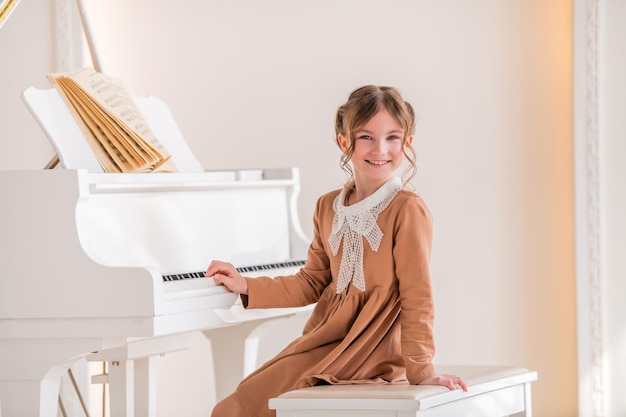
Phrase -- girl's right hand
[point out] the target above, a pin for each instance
(226, 274)
(450, 381)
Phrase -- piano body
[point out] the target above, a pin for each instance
(84, 257)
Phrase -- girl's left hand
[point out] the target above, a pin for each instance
(446, 380)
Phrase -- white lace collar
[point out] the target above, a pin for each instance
(352, 223)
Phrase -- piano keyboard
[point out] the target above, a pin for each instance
(190, 281)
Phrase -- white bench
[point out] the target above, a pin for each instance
(493, 391)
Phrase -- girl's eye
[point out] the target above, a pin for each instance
(393, 137)
(365, 137)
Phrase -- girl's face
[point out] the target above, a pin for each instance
(378, 148)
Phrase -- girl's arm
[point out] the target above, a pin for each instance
(412, 246)
(412, 256)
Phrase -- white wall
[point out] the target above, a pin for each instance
(26, 55)
(256, 84)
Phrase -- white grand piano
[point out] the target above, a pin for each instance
(101, 266)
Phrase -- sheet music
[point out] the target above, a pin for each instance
(114, 97)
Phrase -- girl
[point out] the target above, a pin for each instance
(367, 268)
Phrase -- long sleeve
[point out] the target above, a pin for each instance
(412, 247)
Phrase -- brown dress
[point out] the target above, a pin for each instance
(378, 335)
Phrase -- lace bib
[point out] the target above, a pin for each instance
(353, 223)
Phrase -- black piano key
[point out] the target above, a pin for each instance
(242, 270)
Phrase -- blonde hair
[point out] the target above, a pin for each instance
(363, 103)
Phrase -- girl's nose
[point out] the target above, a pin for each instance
(380, 146)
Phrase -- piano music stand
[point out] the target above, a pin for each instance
(71, 147)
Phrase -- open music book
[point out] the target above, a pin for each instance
(111, 122)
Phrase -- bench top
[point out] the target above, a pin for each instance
(479, 380)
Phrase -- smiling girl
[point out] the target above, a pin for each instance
(367, 269)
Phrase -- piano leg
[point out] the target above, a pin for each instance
(228, 349)
(236, 348)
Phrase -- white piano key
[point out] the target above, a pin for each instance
(189, 284)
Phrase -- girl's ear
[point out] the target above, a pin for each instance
(343, 142)
(409, 140)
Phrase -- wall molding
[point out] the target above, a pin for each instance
(62, 35)
(68, 36)
(589, 271)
